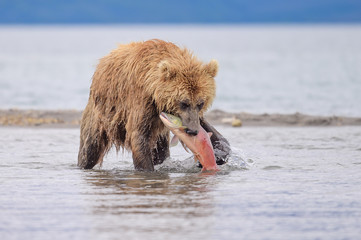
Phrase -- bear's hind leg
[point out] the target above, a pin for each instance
(92, 149)
(161, 152)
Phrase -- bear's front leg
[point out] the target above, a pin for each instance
(221, 146)
(161, 152)
(142, 151)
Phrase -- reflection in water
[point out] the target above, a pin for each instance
(161, 203)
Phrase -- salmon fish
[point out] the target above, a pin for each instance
(200, 145)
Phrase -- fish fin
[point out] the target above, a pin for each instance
(210, 134)
(174, 141)
(185, 147)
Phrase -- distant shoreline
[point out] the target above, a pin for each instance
(275, 119)
(71, 119)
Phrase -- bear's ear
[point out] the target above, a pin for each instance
(166, 70)
(211, 68)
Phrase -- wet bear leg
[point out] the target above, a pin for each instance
(92, 149)
(142, 151)
(220, 144)
(161, 152)
(93, 141)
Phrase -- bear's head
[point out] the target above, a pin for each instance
(186, 89)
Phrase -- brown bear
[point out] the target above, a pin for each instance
(130, 88)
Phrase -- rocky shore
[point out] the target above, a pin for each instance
(71, 119)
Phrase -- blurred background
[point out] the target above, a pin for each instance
(280, 56)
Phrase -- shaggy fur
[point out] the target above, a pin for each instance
(130, 87)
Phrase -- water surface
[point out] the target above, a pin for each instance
(280, 183)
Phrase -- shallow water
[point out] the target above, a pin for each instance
(280, 183)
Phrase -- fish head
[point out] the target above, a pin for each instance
(171, 121)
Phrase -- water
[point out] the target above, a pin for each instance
(312, 69)
(280, 183)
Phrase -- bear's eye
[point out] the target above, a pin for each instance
(184, 105)
(200, 105)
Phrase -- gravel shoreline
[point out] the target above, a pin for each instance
(71, 119)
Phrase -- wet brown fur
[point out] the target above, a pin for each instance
(130, 87)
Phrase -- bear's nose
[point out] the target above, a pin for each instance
(191, 132)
